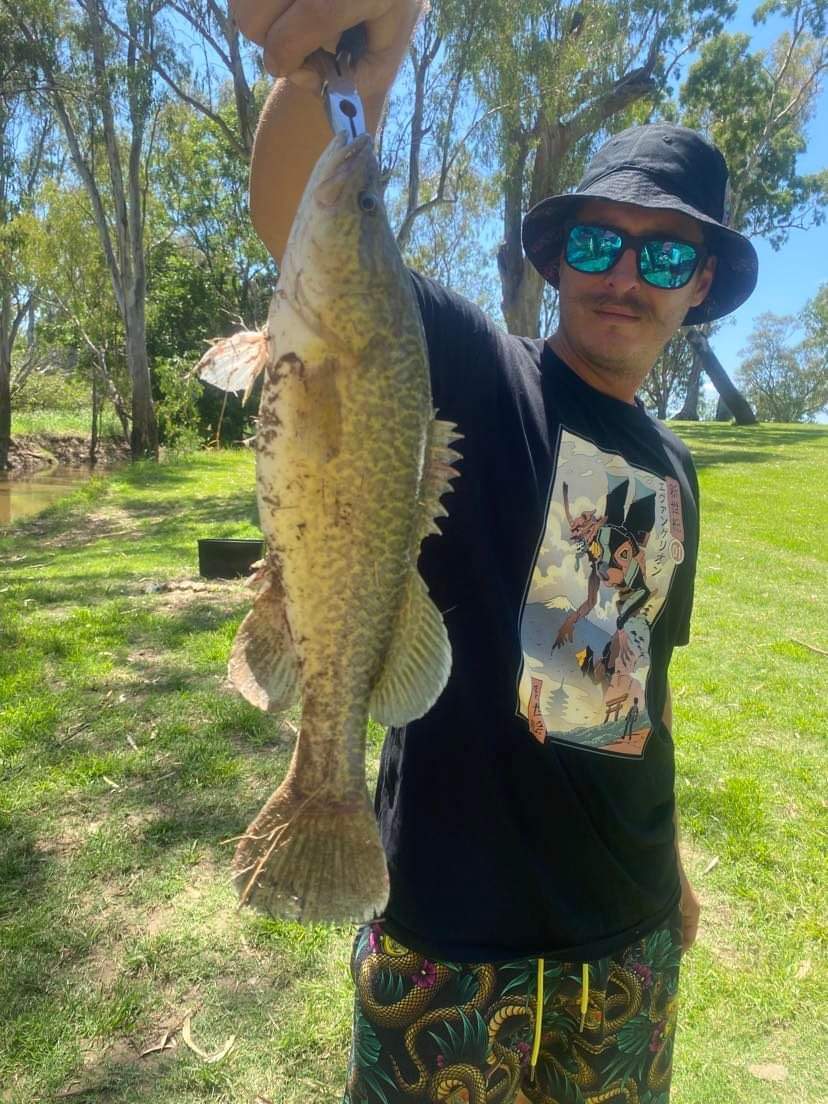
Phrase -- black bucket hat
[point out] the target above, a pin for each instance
(664, 167)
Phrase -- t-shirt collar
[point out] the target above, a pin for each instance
(553, 364)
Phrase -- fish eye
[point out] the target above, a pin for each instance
(368, 202)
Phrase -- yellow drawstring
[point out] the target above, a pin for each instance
(584, 993)
(533, 1061)
(536, 1042)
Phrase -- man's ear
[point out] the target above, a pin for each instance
(704, 281)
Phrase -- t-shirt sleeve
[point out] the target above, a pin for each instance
(691, 551)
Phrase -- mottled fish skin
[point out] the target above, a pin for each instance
(350, 465)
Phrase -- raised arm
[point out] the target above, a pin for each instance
(293, 129)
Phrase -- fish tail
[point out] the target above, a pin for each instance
(309, 858)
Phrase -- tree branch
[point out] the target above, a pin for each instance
(232, 138)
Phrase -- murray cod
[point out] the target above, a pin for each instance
(351, 463)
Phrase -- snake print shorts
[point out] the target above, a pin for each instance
(465, 1033)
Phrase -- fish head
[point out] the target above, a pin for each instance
(341, 249)
(346, 182)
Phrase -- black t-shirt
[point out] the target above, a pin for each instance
(530, 812)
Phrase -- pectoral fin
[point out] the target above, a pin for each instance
(417, 663)
(234, 363)
(263, 665)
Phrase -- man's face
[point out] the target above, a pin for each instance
(615, 321)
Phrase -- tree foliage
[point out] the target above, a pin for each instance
(669, 376)
(786, 379)
(130, 245)
(556, 78)
(25, 149)
(755, 105)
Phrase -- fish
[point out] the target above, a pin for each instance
(351, 465)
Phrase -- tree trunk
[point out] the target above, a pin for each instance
(5, 414)
(93, 441)
(690, 408)
(6, 340)
(522, 293)
(128, 275)
(522, 285)
(723, 414)
(735, 400)
(245, 105)
(144, 437)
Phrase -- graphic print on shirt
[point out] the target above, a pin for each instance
(613, 537)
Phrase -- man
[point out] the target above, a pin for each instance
(538, 907)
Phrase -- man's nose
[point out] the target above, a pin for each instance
(624, 274)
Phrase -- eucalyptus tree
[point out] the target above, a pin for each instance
(24, 140)
(105, 96)
(210, 56)
(815, 321)
(439, 198)
(199, 189)
(756, 106)
(555, 78)
(669, 374)
(785, 379)
(77, 319)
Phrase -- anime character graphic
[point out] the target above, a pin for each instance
(616, 557)
(612, 540)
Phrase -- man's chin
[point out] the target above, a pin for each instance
(605, 358)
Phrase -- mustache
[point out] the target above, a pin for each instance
(630, 303)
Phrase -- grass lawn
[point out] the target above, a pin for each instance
(64, 422)
(127, 764)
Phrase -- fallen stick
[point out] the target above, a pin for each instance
(810, 647)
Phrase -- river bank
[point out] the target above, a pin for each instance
(34, 452)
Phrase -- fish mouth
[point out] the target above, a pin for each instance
(345, 162)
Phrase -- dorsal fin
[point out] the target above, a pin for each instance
(437, 475)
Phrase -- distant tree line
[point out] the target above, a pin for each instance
(125, 133)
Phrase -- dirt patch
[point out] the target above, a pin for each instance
(66, 841)
(103, 1064)
(218, 593)
(37, 451)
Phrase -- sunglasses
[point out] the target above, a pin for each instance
(663, 262)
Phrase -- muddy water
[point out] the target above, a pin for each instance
(22, 496)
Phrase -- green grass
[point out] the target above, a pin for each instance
(63, 423)
(127, 764)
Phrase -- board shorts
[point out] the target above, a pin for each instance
(468, 1033)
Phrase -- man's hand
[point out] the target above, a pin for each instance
(290, 30)
(293, 128)
(690, 909)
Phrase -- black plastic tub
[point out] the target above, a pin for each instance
(227, 559)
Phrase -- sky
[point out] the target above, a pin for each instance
(792, 275)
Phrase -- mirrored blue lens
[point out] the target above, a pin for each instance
(668, 264)
(592, 248)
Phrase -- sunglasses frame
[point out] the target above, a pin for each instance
(636, 242)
